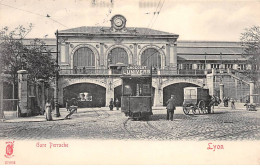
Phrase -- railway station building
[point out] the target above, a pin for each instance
(91, 61)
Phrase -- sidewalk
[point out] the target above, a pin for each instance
(10, 116)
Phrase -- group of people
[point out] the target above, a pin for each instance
(231, 100)
(112, 104)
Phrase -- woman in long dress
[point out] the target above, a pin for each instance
(48, 110)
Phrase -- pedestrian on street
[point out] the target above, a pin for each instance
(117, 104)
(73, 108)
(67, 105)
(233, 107)
(48, 110)
(170, 107)
(111, 104)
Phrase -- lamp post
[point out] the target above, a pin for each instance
(57, 110)
(205, 62)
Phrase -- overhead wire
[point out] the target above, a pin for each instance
(34, 13)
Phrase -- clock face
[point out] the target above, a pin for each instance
(118, 22)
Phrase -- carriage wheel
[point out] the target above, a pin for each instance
(195, 110)
(186, 110)
(202, 107)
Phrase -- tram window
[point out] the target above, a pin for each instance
(136, 87)
(146, 89)
(127, 90)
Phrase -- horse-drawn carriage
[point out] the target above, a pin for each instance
(198, 100)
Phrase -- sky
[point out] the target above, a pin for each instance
(192, 20)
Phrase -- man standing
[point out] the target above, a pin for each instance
(111, 104)
(170, 107)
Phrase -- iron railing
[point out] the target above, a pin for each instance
(84, 71)
(119, 71)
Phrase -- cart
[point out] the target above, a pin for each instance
(197, 100)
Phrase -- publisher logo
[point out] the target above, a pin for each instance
(9, 149)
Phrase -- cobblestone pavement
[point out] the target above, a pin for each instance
(100, 123)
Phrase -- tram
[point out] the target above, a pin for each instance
(136, 100)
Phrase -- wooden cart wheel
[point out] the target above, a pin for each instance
(197, 109)
(202, 106)
(186, 110)
(194, 109)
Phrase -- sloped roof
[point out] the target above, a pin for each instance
(106, 30)
(196, 50)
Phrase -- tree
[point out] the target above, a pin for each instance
(15, 55)
(40, 64)
(250, 41)
(12, 49)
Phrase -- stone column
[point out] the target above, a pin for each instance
(109, 91)
(167, 55)
(221, 91)
(134, 62)
(1, 98)
(22, 91)
(42, 94)
(101, 55)
(252, 91)
(158, 93)
(173, 55)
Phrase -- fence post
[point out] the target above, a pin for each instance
(252, 91)
(22, 91)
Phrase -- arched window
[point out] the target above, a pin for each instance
(117, 55)
(84, 57)
(151, 57)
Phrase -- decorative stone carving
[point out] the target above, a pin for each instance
(118, 39)
(63, 39)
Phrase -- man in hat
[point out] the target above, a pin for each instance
(170, 108)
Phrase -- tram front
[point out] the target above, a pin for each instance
(136, 100)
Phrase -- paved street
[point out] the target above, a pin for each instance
(100, 123)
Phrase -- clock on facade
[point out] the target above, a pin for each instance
(118, 22)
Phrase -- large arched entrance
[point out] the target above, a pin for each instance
(117, 55)
(84, 57)
(177, 90)
(151, 57)
(87, 94)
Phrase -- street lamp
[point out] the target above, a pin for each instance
(205, 63)
(57, 77)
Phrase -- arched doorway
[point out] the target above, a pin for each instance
(84, 57)
(87, 94)
(151, 57)
(117, 55)
(177, 90)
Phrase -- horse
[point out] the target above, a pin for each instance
(214, 101)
